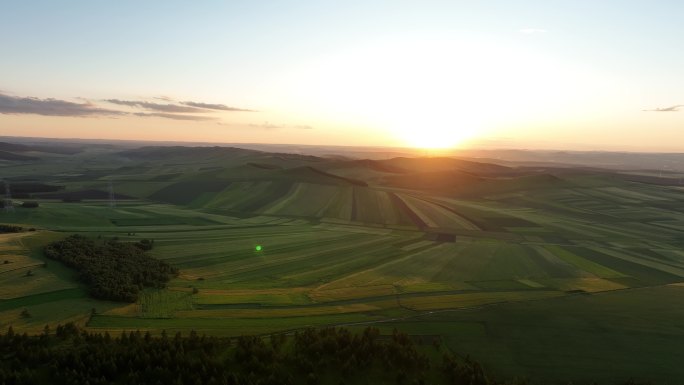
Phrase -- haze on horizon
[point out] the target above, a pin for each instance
(557, 74)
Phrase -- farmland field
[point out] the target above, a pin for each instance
(505, 268)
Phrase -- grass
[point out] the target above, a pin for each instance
(605, 337)
(467, 300)
(223, 326)
(185, 192)
(541, 279)
(28, 273)
(583, 263)
(267, 297)
(41, 280)
(154, 303)
(351, 292)
(43, 298)
(291, 311)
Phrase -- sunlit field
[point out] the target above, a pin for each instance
(436, 246)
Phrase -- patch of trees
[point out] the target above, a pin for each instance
(26, 189)
(70, 355)
(10, 229)
(30, 204)
(145, 244)
(112, 270)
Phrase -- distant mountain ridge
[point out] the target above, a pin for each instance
(8, 151)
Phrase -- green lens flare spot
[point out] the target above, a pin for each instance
(258, 248)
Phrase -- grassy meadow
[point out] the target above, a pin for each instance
(574, 270)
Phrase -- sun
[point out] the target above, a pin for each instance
(432, 93)
(429, 130)
(422, 94)
(434, 138)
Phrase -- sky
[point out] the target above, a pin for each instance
(585, 75)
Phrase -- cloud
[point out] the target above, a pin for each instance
(667, 109)
(266, 126)
(173, 116)
(172, 108)
(209, 106)
(50, 107)
(532, 31)
(183, 107)
(270, 126)
(81, 107)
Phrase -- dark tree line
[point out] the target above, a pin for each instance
(324, 356)
(10, 229)
(70, 356)
(25, 188)
(112, 270)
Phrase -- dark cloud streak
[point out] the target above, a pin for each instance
(173, 116)
(56, 107)
(220, 107)
(50, 107)
(172, 108)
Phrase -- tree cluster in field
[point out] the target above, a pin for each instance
(334, 356)
(30, 204)
(10, 229)
(112, 270)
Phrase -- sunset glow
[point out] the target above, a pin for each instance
(436, 75)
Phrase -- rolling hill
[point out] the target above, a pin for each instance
(449, 249)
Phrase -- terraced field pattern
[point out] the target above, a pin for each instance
(527, 268)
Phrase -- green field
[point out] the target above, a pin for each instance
(568, 277)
